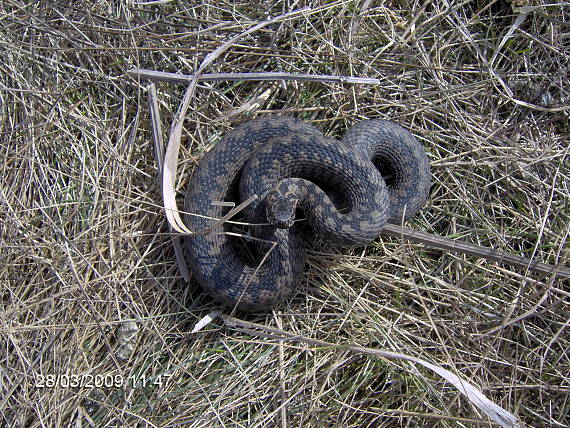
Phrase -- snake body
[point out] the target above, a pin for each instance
(289, 164)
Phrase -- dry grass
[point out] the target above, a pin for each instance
(89, 281)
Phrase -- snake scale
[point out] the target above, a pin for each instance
(347, 190)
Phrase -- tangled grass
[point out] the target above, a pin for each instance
(91, 291)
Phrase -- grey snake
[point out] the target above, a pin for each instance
(346, 189)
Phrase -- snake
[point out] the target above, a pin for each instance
(346, 190)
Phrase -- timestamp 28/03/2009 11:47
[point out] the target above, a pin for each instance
(98, 381)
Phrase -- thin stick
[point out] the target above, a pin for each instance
(282, 377)
(456, 246)
(163, 76)
(159, 155)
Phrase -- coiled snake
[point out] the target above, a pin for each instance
(289, 164)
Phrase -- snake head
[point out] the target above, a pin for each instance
(280, 208)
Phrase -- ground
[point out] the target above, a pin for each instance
(96, 320)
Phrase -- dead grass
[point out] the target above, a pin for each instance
(89, 281)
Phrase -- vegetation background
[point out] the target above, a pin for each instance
(89, 282)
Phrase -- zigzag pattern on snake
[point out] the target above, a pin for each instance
(346, 189)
